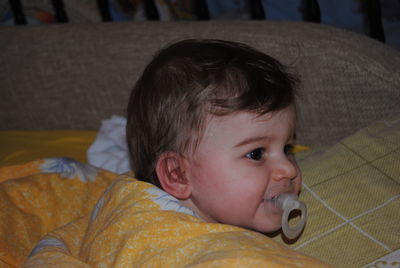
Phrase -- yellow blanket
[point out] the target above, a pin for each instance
(39, 196)
(133, 224)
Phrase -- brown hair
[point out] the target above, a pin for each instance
(189, 80)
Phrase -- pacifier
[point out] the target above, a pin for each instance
(289, 202)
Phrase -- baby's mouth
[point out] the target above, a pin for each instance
(273, 193)
(274, 197)
(271, 204)
(269, 199)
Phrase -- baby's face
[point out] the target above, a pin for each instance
(240, 159)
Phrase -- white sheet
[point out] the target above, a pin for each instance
(109, 150)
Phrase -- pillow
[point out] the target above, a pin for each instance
(19, 146)
(352, 191)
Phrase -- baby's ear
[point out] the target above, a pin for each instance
(170, 170)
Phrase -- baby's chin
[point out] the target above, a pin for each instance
(268, 229)
(266, 226)
(268, 223)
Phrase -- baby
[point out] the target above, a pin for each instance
(212, 123)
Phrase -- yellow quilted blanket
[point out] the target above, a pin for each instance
(39, 196)
(133, 224)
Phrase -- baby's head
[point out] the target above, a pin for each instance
(189, 89)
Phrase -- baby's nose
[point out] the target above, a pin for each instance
(284, 169)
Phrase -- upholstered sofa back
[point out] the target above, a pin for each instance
(74, 75)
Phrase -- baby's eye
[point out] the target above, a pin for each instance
(288, 149)
(256, 154)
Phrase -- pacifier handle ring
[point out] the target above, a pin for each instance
(293, 232)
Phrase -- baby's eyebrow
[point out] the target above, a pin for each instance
(251, 140)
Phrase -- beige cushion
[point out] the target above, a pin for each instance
(72, 76)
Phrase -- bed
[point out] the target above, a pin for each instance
(58, 82)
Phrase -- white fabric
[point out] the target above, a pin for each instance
(109, 150)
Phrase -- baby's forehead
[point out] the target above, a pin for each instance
(289, 111)
(228, 131)
(243, 119)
